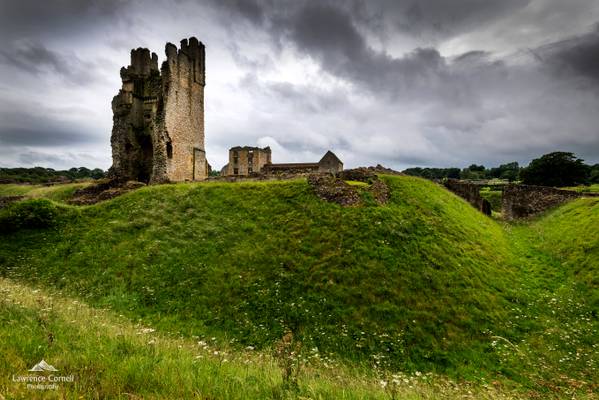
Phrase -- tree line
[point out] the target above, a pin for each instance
(47, 175)
(556, 169)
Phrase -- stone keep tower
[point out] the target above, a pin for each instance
(158, 117)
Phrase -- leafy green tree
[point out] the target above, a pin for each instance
(44, 175)
(474, 172)
(509, 171)
(96, 173)
(453, 173)
(434, 173)
(474, 167)
(556, 169)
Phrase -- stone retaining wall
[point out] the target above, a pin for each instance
(522, 201)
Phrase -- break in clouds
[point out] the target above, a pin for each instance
(402, 83)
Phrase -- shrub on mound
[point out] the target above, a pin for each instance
(35, 213)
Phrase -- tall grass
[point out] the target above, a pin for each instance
(111, 357)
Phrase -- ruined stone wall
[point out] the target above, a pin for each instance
(518, 201)
(283, 169)
(134, 117)
(247, 160)
(522, 201)
(469, 192)
(158, 117)
(183, 75)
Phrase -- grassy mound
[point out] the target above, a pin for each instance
(416, 284)
(422, 283)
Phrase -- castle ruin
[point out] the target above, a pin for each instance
(248, 161)
(158, 117)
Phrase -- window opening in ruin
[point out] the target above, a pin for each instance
(169, 150)
(145, 160)
(235, 171)
(250, 170)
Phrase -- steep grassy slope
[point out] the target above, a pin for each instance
(424, 283)
(416, 283)
(557, 305)
(571, 232)
(114, 359)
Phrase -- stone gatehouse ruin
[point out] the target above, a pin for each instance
(158, 117)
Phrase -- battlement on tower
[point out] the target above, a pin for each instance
(143, 64)
(192, 53)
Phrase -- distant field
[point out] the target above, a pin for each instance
(585, 189)
(425, 286)
(53, 192)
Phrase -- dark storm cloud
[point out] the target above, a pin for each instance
(41, 136)
(32, 125)
(473, 106)
(578, 55)
(329, 35)
(252, 10)
(36, 19)
(429, 19)
(36, 59)
(418, 17)
(331, 32)
(429, 82)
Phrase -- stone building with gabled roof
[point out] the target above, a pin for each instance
(328, 163)
(245, 161)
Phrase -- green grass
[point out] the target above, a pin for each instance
(357, 183)
(571, 234)
(123, 360)
(594, 188)
(424, 283)
(492, 196)
(58, 193)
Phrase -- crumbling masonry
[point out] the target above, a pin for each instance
(158, 131)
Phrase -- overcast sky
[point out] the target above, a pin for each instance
(397, 82)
